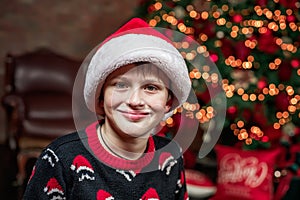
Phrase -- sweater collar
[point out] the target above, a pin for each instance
(113, 161)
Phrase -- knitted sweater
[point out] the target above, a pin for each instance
(76, 166)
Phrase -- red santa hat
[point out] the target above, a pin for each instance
(81, 163)
(150, 194)
(104, 195)
(135, 42)
(53, 187)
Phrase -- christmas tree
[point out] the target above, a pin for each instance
(255, 45)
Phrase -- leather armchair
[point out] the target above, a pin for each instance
(38, 101)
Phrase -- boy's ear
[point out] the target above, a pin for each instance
(169, 103)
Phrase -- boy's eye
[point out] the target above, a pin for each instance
(151, 88)
(120, 85)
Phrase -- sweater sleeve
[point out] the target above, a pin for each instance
(47, 180)
(181, 184)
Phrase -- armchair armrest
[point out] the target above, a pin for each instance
(14, 108)
(13, 102)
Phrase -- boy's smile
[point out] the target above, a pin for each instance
(135, 100)
(134, 115)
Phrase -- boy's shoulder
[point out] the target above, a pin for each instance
(161, 141)
(167, 144)
(65, 141)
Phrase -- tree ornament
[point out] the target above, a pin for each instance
(179, 12)
(295, 63)
(266, 42)
(289, 3)
(237, 18)
(285, 71)
(291, 18)
(286, 39)
(262, 83)
(243, 78)
(220, 34)
(247, 114)
(273, 134)
(227, 47)
(241, 51)
(207, 28)
(282, 101)
(289, 129)
(232, 112)
(262, 3)
(260, 115)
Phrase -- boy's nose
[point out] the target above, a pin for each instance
(135, 98)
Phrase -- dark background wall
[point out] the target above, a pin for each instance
(70, 27)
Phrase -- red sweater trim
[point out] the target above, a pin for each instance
(113, 161)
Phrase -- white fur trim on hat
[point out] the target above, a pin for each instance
(132, 48)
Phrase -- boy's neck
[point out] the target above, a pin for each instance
(121, 145)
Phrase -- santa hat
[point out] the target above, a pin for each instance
(81, 163)
(135, 42)
(150, 194)
(104, 195)
(53, 187)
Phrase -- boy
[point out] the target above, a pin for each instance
(135, 79)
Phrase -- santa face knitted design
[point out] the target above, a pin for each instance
(73, 167)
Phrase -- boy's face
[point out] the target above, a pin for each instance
(136, 99)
